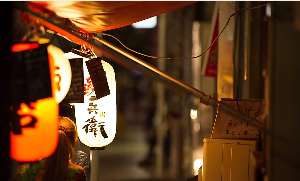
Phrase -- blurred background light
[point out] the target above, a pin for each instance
(268, 10)
(197, 164)
(147, 23)
(193, 114)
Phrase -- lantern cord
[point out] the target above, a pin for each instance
(233, 14)
(28, 32)
(16, 32)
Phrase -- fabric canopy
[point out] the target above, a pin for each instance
(97, 16)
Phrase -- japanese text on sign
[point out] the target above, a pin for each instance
(92, 123)
(229, 126)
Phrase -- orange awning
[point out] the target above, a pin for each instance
(97, 16)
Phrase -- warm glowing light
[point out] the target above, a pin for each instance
(268, 10)
(196, 127)
(193, 114)
(40, 141)
(24, 46)
(63, 74)
(71, 55)
(197, 164)
(96, 119)
(147, 23)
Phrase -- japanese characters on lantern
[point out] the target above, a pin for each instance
(93, 124)
(63, 73)
(96, 119)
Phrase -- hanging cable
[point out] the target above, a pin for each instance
(169, 58)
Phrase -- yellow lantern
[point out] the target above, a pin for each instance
(96, 119)
(63, 72)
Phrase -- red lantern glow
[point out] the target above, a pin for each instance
(24, 46)
(41, 140)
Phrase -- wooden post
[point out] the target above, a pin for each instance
(160, 106)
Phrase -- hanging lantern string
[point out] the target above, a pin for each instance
(233, 14)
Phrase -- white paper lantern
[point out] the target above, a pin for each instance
(63, 74)
(96, 119)
(71, 55)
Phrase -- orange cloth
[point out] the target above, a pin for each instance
(96, 16)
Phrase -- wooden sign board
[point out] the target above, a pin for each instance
(31, 79)
(228, 126)
(98, 77)
(76, 91)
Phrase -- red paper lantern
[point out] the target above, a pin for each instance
(41, 140)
